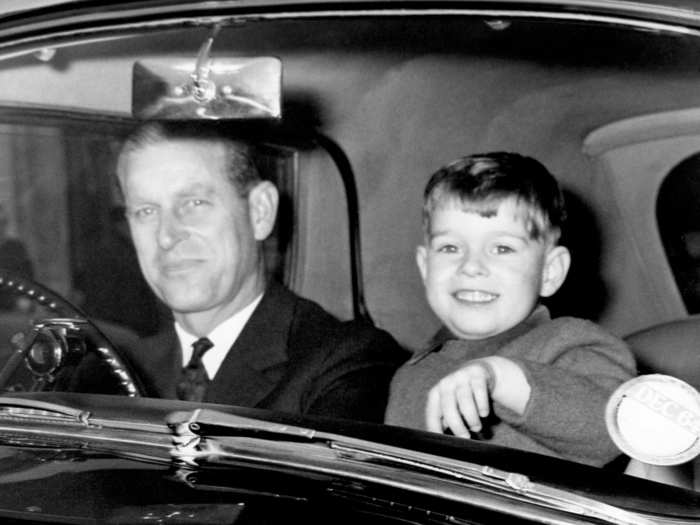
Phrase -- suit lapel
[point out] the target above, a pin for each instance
(245, 377)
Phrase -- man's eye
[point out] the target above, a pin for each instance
(192, 204)
(143, 213)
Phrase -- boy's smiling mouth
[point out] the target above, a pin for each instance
(474, 296)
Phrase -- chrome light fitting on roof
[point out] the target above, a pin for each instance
(207, 88)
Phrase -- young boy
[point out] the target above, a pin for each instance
(501, 369)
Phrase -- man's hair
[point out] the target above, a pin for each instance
(480, 183)
(240, 166)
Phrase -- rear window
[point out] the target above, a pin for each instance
(678, 216)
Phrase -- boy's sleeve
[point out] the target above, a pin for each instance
(408, 393)
(573, 367)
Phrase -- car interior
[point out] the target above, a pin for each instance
(371, 106)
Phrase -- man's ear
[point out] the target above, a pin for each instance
(262, 205)
(422, 260)
(556, 266)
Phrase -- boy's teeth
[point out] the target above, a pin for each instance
(475, 296)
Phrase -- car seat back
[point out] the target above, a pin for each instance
(671, 348)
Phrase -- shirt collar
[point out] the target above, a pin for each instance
(223, 336)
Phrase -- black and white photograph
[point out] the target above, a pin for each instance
(426, 262)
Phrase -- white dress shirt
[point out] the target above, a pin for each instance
(223, 337)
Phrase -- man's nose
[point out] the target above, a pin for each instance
(170, 231)
(473, 264)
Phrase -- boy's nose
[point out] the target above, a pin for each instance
(473, 265)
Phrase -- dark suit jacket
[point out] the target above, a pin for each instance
(291, 356)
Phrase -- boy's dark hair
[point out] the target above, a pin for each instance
(481, 182)
(240, 166)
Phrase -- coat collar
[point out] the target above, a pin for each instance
(539, 315)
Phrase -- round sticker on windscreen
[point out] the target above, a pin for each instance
(655, 418)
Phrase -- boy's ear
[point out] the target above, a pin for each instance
(262, 206)
(422, 260)
(556, 266)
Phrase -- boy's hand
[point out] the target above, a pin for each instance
(461, 397)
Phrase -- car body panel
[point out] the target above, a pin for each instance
(123, 461)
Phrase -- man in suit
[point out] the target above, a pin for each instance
(198, 212)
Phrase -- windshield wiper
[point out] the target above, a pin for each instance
(209, 436)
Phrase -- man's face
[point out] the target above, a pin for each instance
(483, 275)
(193, 234)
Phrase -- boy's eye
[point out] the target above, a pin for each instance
(501, 249)
(447, 248)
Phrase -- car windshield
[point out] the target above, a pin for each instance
(373, 101)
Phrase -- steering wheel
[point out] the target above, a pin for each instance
(60, 350)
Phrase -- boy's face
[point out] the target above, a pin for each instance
(484, 275)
